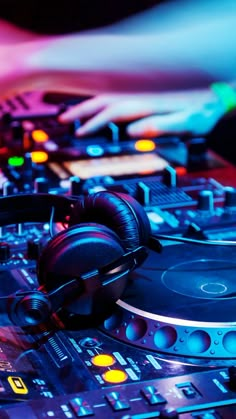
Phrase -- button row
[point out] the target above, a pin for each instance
(117, 401)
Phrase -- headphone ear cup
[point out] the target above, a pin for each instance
(141, 218)
(72, 253)
(119, 212)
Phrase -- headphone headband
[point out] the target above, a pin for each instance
(34, 208)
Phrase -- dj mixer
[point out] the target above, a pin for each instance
(167, 349)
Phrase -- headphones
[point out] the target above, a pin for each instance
(82, 270)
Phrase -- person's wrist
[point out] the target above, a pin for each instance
(226, 93)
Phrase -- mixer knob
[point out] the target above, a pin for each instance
(169, 177)
(17, 130)
(76, 185)
(8, 188)
(5, 253)
(34, 248)
(39, 170)
(230, 197)
(232, 377)
(97, 183)
(195, 232)
(20, 230)
(197, 152)
(206, 201)
(41, 185)
(115, 132)
(6, 118)
(28, 170)
(143, 193)
(168, 413)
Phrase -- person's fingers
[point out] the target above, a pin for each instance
(102, 109)
(123, 110)
(86, 108)
(198, 122)
(99, 121)
(131, 106)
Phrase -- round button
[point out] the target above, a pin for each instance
(115, 376)
(39, 136)
(103, 360)
(89, 342)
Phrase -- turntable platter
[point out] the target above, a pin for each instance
(187, 282)
(182, 301)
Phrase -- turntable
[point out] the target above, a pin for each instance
(182, 303)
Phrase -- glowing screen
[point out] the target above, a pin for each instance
(116, 165)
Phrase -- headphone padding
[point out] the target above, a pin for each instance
(117, 211)
(73, 252)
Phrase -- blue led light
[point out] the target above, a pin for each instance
(95, 150)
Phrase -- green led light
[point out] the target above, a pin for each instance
(16, 161)
(226, 94)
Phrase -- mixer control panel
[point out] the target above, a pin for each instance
(168, 348)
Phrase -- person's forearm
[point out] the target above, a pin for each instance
(97, 63)
(191, 55)
(174, 14)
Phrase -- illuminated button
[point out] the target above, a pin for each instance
(117, 401)
(152, 395)
(90, 342)
(155, 218)
(27, 140)
(103, 360)
(181, 171)
(16, 161)
(39, 156)
(189, 392)
(39, 136)
(95, 150)
(28, 125)
(145, 145)
(81, 407)
(115, 376)
(17, 385)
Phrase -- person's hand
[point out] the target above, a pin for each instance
(194, 112)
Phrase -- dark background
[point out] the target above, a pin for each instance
(66, 16)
